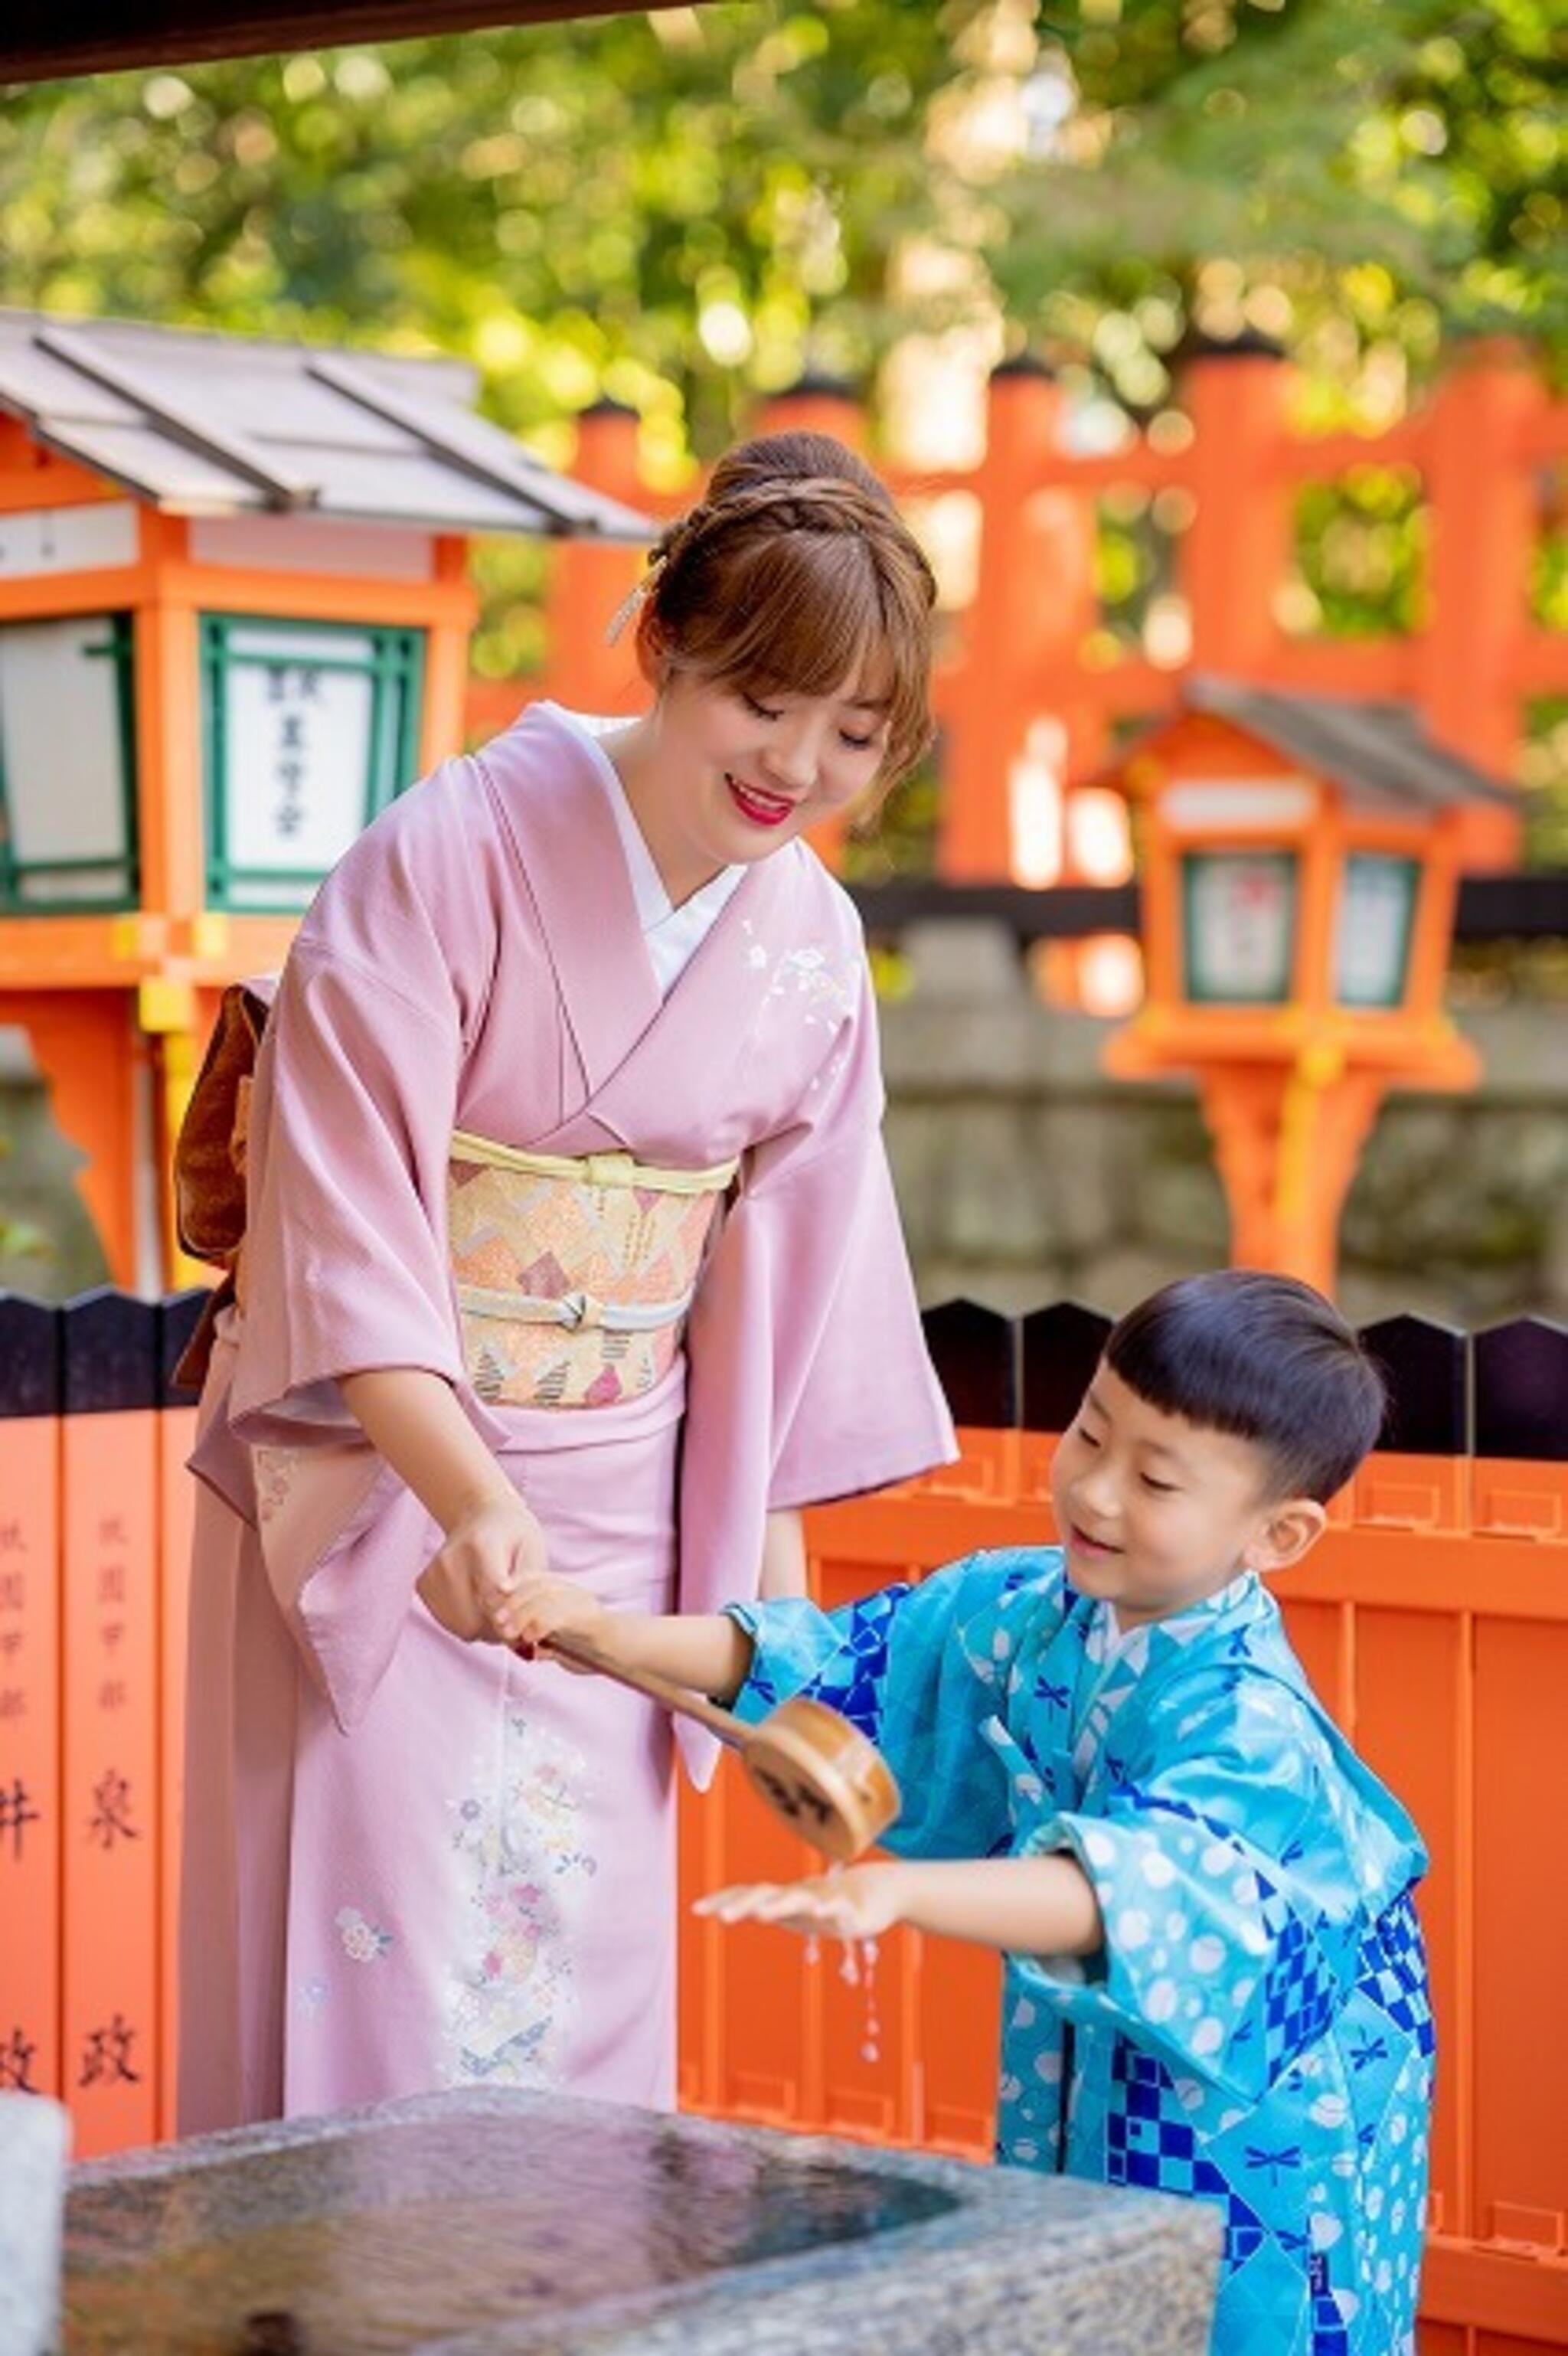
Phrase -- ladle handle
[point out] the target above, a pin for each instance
(680, 1699)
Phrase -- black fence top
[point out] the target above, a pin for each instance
(109, 1353)
(1500, 1393)
(1528, 905)
(100, 1354)
(30, 1356)
(1522, 1389)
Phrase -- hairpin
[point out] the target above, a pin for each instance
(625, 609)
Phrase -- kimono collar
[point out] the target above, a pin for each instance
(553, 806)
(552, 803)
(1107, 1638)
(673, 934)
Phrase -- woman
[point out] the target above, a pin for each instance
(570, 1239)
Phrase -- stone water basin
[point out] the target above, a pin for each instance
(492, 2222)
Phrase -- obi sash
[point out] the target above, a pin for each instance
(573, 1276)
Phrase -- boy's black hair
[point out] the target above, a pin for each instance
(1264, 1357)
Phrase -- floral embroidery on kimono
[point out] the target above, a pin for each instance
(1257, 2031)
(513, 1995)
(274, 1470)
(363, 1942)
(810, 976)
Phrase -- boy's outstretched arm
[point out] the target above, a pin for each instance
(705, 1651)
(1021, 1905)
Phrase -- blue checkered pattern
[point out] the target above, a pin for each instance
(853, 1681)
(761, 1692)
(1392, 1971)
(1149, 2142)
(1301, 1993)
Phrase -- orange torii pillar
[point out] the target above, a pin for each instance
(590, 579)
(818, 405)
(1483, 498)
(1237, 550)
(1035, 577)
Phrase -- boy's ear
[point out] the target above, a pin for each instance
(1284, 1533)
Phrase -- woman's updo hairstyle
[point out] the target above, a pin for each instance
(795, 575)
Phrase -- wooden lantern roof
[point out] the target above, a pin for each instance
(202, 424)
(1376, 752)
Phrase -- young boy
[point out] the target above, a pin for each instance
(1114, 1772)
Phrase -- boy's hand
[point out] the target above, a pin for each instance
(858, 1904)
(540, 1607)
(486, 1555)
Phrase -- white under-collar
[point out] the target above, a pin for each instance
(673, 934)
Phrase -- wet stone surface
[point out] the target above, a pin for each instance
(498, 2222)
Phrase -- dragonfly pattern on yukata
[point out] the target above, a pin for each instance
(1256, 2030)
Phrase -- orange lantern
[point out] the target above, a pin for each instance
(234, 623)
(1299, 869)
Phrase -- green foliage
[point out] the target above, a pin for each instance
(901, 838)
(671, 211)
(1135, 557)
(681, 210)
(26, 1248)
(1361, 544)
(1546, 782)
(685, 210)
(1344, 174)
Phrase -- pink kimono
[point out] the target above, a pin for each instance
(412, 1863)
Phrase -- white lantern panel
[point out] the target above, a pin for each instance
(310, 729)
(1372, 928)
(62, 759)
(78, 887)
(1239, 924)
(296, 747)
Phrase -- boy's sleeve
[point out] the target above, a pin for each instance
(911, 1667)
(1231, 1910)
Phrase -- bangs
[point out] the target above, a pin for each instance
(814, 613)
(1264, 1358)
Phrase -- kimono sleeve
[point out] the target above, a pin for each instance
(856, 1399)
(1234, 1911)
(808, 1376)
(356, 1092)
(346, 1265)
(908, 1667)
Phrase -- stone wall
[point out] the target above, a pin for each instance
(1025, 1175)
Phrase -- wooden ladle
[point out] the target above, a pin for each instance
(812, 1767)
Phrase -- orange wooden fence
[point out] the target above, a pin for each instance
(1434, 1620)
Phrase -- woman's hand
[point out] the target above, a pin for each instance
(860, 1903)
(490, 1552)
(413, 1418)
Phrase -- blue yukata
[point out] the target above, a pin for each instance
(1256, 2030)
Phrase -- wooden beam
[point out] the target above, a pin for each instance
(90, 36)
